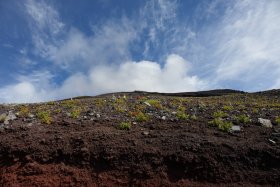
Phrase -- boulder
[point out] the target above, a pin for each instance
(265, 122)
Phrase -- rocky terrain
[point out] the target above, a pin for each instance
(214, 138)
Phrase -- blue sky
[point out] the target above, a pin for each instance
(58, 49)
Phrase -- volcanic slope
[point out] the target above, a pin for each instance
(143, 139)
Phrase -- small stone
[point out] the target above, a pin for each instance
(163, 117)
(85, 117)
(98, 115)
(6, 122)
(68, 114)
(271, 141)
(235, 128)
(146, 103)
(31, 115)
(265, 122)
(174, 113)
(134, 123)
(84, 149)
(145, 133)
(91, 114)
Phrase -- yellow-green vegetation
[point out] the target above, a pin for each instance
(222, 125)
(2, 118)
(193, 117)
(225, 126)
(51, 103)
(174, 102)
(202, 105)
(57, 111)
(141, 117)
(120, 109)
(69, 103)
(243, 119)
(277, 120)
(220, 114)
(228, 107)
(24, 111)
(100, 103)
(75, 112)
(182, 115)
(120, 101)
(120, 105)
(155, 103)
(45, 117)
(139, 107)
(124, 126)
(215, 122)
(255, 110)
(181, 108)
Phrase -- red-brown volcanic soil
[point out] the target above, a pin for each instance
(156, 152)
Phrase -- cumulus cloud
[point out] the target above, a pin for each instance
(129, 76)
(20, 92)
(146, 75)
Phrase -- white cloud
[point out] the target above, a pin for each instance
(46, 27)
(128, 76)
(20, 93)
(45, 17)
(109, 44)
(276, 84)
(147, 76)
(247, 43)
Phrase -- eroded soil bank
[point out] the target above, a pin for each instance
(169, 151)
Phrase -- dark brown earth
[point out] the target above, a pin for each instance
(156, 152)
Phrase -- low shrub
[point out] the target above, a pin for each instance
(24, 111)
(2, 118)
(243, 119)
(141, 117)
(155, 103)
(222, 125)
(182, 115)
(124, 126)
(193, 117)
(45, 117)
(225, 126)
(228, 107)
(219, 114)
(75, 113)
(277, 120)
(215, 122)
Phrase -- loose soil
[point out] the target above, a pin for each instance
(171, 152)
